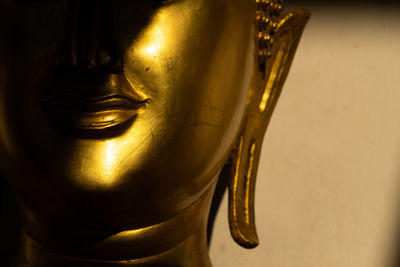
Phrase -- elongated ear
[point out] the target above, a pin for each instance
(276, 49)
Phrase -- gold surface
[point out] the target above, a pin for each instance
(117, 116)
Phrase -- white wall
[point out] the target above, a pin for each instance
(328, 189)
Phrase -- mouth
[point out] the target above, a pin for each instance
(93, 117)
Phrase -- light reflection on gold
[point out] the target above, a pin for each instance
(109, 161)
(155, 42)
(276, 68)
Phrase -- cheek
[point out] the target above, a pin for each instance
(174, 50)
(179, 56)
(195, 68)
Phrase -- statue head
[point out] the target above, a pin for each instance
(119, 114)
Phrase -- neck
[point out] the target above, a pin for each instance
(178, 242)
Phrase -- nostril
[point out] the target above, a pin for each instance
(104, 57)
(89, 44)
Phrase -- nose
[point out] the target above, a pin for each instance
(89, 43)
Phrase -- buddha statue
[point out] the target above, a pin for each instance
(117, 116)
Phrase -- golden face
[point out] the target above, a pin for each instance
(128, 106)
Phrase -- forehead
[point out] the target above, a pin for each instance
(111, 2)
(123, 12)
(43, 23)
(121, 6)
(39, 23)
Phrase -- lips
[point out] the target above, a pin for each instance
(93, 117)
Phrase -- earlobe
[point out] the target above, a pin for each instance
(276, 46)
